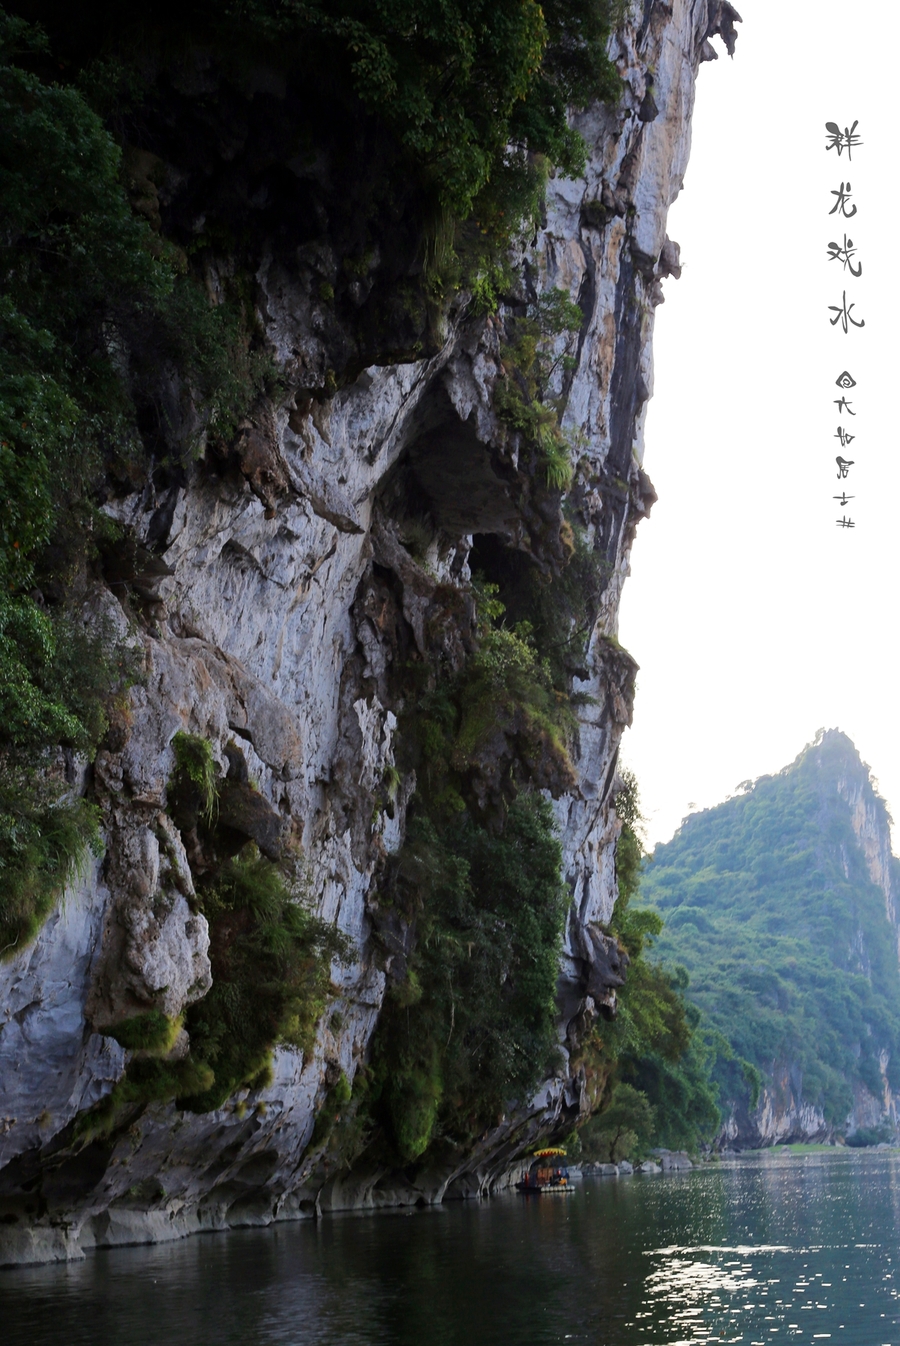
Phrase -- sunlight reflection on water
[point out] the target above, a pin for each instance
(727, 1294)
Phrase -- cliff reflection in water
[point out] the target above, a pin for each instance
(751, 1250)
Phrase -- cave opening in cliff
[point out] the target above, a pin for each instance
(514, 573)
(558, 607)
(448, 477)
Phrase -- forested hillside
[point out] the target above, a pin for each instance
(780, 905)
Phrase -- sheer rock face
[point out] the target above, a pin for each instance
(871, 825)
(284, 609)
(780, 1117)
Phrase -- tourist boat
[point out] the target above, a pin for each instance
(547, 1173)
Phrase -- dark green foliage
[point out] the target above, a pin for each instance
(655, 1048)
(504, 689)
(564, 607)
(86, 286)
(196, 768)
(89, 293)
(531, 359)
(38, 687)
(271, 960)
(145, 1081)
(456, 81)
(473, 254)
(660, 1046)
(330, 1112)
(474, 94)
(43, 840)
(55, 679)
(575, 71)
(459, 80)
(871, 1135)
(70, 252)
(152, 1032)
(682, 1089)
(768, 902)
(216, 349)
(473, 1025)
(454, 1046)
(557, 607)
(76, 264)
(505, 676)
(629, 859)
(624, 1130)
(445, 76)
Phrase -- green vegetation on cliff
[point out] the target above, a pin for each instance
(129, 346)
(471, 913)
(522, 398)
(769, 903)
(472, 1025)
(650, 1066)
(89, 296)
(271, 959)
(469, 1024)
(271, 956)
(457, 81)
(44, 838)
(115, 363)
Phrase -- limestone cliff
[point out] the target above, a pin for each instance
(278, 602)
(781, 902)
(781, 1114)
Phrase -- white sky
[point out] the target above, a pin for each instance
(754, 618)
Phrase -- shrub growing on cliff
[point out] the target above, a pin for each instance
(145, 1081)
(54, 679)
(655, 1048)
(43, 841)
(500, 711)
(560, 605)
(195, 771)
(539, 348)
(473, 1026)
(89, 293)
(504, 680)
(151, 1032)
(271, 960)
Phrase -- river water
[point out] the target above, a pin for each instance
(752, 1250)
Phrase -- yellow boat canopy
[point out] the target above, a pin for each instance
(539, 1154)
